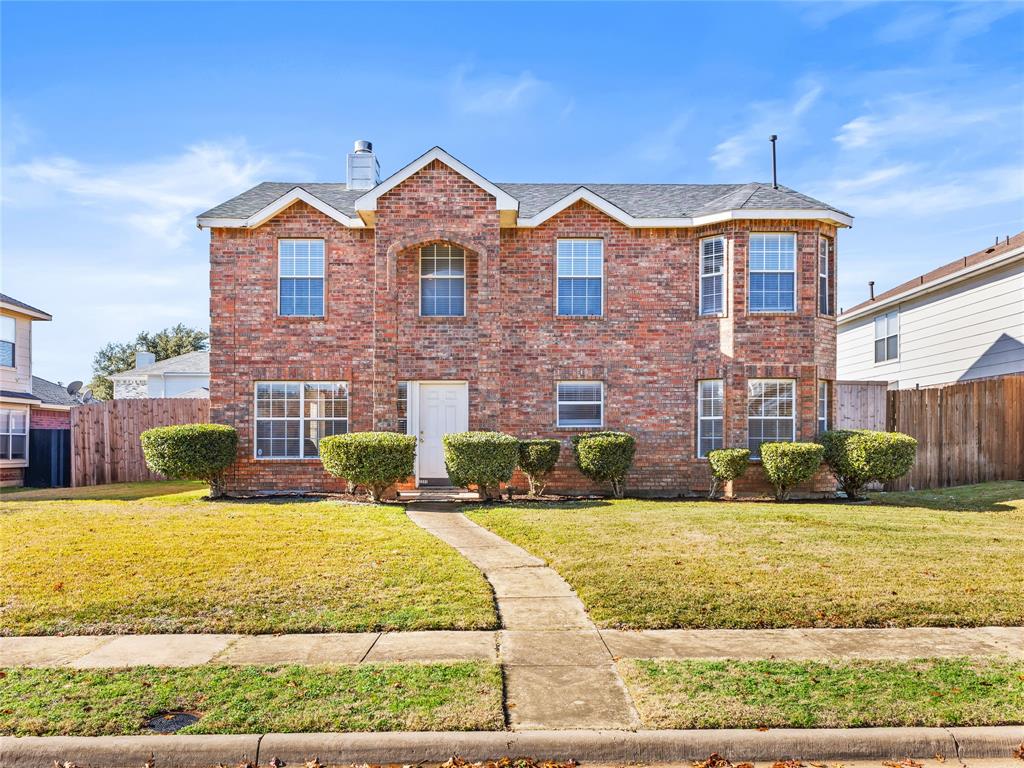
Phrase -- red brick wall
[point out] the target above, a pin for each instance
(43, 418)
(649, 348)
(12, 476)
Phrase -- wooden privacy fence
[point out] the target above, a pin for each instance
(105, 446)
(970, 432)
(860, 404)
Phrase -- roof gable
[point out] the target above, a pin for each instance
(503, 200)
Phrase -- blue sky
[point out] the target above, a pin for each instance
(122, 121)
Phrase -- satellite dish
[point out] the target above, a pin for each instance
(73, 387)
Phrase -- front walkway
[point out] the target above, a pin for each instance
(559, 673)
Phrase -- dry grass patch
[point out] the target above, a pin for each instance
(942, 558)
(116, 560)
(373, 697)
(853, 694)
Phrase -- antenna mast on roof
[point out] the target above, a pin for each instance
(775, 177)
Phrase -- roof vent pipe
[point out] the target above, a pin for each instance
(775, 176)
(871, 289)
(363, 168)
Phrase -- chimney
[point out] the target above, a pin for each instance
(363, 168)
(142, 359)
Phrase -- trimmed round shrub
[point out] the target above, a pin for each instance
(605, 457)
(726, 464)
(537, 458)
(481, 459)
(191, 452)
(374, 460)
(786, 465)
(858, 457)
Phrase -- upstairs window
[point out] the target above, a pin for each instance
(712, 271)
(770, 413)
(442, 281)
(580, 404)
(823, 397)
(710, 410)
(293, 416)
(580, 277)
(887, 336)
(8, 328)
(13, 434)
(772, 273)
(301, 278)
(824, 262)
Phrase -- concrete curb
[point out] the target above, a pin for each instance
(127, 751)
(584, 746)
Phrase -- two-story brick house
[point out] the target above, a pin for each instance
(29, 405)
(692, 316)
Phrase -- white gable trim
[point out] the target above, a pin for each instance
(505, 201)
(612, 210)
(270, 211)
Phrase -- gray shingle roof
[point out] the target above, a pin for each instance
(10, 300)
(51, 393)
(338, 196)
(639, 200)
(190, 362)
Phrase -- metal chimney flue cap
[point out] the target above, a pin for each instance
(362, 145)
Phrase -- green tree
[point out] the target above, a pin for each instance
(116, 356)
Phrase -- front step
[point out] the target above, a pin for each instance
(438, 493)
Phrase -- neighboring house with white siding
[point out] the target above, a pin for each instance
(962, 321)
(185, 375)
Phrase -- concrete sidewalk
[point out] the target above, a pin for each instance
(520, 647)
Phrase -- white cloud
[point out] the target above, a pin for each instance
(911, 24)
(664, 145)
(915, 117)
(159, 198)
(764, 118)
(493, 94)
(872, 178)
(942, 194)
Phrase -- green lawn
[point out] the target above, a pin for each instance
(780, 694)
(936, 558)
(136, 559)
(377, 697)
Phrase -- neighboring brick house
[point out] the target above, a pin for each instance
(27, 403)
(961, 321)
(692, 316)
(186, 375)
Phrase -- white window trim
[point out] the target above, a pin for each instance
(701, 419)
(795, 271)
(792, 418)
(823, 387)
(700, 276)
(28, 435)
(465, 279)
(898, 335)
(558, 276)
(301, 418)
(558, 403)
(323, 277)
(822, 240)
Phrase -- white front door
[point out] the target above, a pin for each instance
(443, 408)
